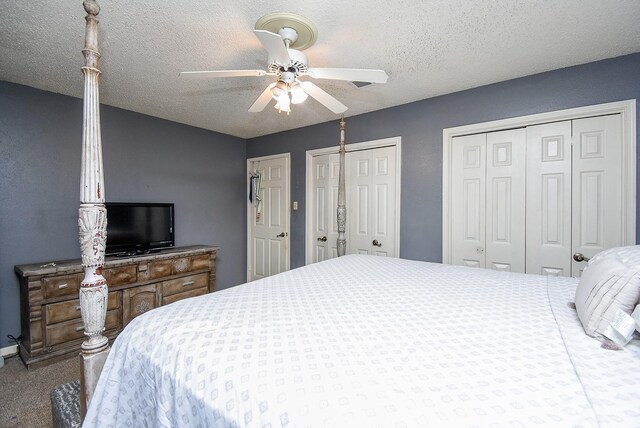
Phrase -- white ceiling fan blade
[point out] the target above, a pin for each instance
(274, 44)
(351, 74)
(224, 73)
(323, 98)
(263, 100)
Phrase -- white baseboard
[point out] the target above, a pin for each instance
(9, 350)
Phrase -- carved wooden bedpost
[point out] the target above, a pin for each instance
(342, 208)
(92, 219)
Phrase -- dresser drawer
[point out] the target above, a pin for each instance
(58, 286)
(121, 275)
(159, 269)
(71, 330)
(184, 295)
(65, 311)
(200, 262)
(185, 283)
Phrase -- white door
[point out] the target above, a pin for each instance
(572, 171)
(548, 220)
(269, 219)
(597, 186)
(488, 200)
(371, 201)
(326, 169)
(468, 215)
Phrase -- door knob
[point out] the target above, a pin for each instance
(376, 243)
(281, 235)
(579, 257)
(323, 239)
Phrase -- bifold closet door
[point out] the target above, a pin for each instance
(488, 200)
(598, 211)
(505, 193)
(574, 192)
(468, 216)
(548, 219)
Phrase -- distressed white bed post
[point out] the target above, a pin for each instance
(92, 219)
(342, 208)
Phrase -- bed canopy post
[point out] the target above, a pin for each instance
(92, 218)
(342, 208)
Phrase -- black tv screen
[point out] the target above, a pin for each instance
(138, 227)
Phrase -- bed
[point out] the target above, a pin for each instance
(353, 341)
(368, 341)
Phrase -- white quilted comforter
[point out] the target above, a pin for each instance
(366, 341)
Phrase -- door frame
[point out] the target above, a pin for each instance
(353, 147)
(287, 157)
(627, 110)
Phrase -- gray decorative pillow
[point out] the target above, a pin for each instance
(610, 282)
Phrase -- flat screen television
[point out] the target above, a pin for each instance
(138, 228)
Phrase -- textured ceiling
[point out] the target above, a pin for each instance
(428, 48)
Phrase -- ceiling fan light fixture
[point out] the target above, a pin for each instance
(283, 105)
(298, 95)
(280, 90)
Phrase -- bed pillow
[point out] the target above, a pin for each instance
(611, 281)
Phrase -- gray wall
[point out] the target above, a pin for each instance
(146, 159)
(420, 125)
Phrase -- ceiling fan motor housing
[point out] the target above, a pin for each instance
(299, 64)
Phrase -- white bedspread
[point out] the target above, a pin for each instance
(366, 341)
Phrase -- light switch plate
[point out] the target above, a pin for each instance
(295, 205)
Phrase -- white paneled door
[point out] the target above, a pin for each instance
(548, 223)
(371, 179)
(468, 215)
(597, 186)
(326, 169)
(488, 193)
(371, 201)
(528, 199)
(269, 218)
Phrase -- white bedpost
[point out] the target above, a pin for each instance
(92, 219)
(342, 209)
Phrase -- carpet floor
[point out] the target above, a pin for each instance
(24, 394)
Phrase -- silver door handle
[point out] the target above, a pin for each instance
(323, 239)
(579, 257)
(376, 243)
(281, 235)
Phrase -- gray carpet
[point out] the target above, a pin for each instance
(24, 394)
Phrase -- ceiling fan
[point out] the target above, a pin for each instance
(284, 36)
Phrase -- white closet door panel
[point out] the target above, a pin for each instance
(383, 209)
(505, 200)
(597, 186)
(548, 206)
(359, 195)
(468, 214)
(321, 220)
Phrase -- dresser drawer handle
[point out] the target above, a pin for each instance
(61, 286)
(78, 308)
(80, 328)
(185, 284)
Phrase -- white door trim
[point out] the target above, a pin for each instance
(287, 157)
(626, 108)
(373, 144)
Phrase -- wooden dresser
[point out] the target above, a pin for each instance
(50, 310)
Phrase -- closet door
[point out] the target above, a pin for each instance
(325, 194)
(505, 200)
(468, 215)
(371, 202)
(597, 186)
(548, 218)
